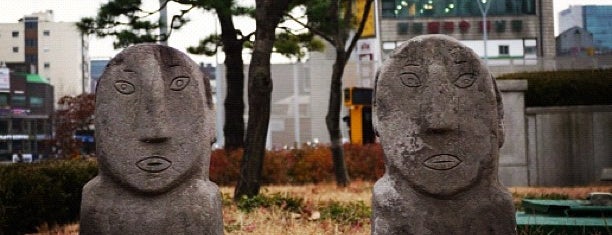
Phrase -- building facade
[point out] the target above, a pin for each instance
(594, 19)
(55, 50)
(515, 28)
(26, 109)
(575, 41)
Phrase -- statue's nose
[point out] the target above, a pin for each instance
(153, 114)
(440, 110)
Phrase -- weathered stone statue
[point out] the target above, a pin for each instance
(154, 130)
(438, 114)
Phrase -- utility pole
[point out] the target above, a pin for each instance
(163, 21)
(484, 8)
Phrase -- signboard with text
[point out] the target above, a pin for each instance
(5, 79)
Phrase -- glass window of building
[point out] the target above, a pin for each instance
(4, 124)
(15, 34)
(453, 8)
(40, 126)
(4, 100)
(3, 146)
(31, 59)
(47, 65)
(31, 42)
(46, 32)
(504, 50)
(36, 102)
(18, 100)
(597, 21)
(17, 126)
(15, 49)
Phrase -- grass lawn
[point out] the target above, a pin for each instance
(324, 209)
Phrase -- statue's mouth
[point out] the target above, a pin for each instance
(154, 164)
(442, 162)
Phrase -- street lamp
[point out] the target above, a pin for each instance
(484, 8)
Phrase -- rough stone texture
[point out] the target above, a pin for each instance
(438, 113)
(154, 128)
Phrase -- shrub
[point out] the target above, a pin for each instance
(309, 164)
(364, 162)
(47, 192)
(560, 88)
(313, 164)
(277, 165)
(225, 166)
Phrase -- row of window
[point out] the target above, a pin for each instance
(23, 126)
(503, 50)
(20, 101)
(454, 8)
(15, 33)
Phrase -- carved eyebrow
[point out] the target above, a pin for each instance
(412, 64)
(129, 70)
(174, 65)
(460, 61)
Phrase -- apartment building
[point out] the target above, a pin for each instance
(54, 50)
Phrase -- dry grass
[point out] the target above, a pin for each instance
(275, 220)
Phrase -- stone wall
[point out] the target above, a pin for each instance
(568, 145)
(552, 146)
(513, 165)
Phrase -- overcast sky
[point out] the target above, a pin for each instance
(74, 10)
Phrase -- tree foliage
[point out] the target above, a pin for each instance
(75, 113)
(130, 24)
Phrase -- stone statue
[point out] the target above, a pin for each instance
(154, 129)
(438, 113)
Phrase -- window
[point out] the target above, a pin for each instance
(17, 126)
(453, 8)
(31, 42)
(15, 49)
(18, 100)
(47, 65)
(388, 45)
(4, 100)
(36, 102)
(31, 59)
(46, 33)
(15, 34)
(504, 50)
(4, 126)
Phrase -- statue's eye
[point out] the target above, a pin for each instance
(410, 79)
(124, 87)
(465, 80)
(179, 83)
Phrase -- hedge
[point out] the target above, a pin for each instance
(47, 192)
(50, 192)
(564, 88)
(308, 164)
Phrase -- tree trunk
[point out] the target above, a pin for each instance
(333, 120)
(267, 15)
(233, 129)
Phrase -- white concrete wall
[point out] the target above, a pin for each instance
(62, 49)
(7, 42)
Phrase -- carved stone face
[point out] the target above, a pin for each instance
(437, 115)
(153, 124)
